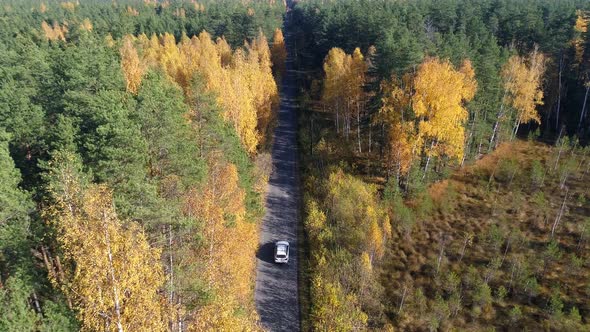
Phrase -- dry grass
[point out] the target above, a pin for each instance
(481, 206)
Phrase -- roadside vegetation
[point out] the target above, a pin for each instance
(133, 145)
(445, 170)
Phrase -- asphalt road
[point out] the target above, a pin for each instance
(276, 292)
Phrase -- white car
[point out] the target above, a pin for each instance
(282, 252)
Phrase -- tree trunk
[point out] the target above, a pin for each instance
(505, 251)
(515, 130)
(496, 127)
(370, 133)
(500, 114)
(112, 274)
(559, 93)
(428, 160)
(560, 149)
(560, 214)
(36, 302)
(170, 262)
(358, 127)
(337, 120)
(440, 254)
(401, 305)
(583, 113)
(463, 248)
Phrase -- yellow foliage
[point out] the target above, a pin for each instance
(69, 6)
(366, 263)
(581, 28)
(116, 274)
(315, 222)
(375, 237)
(278, 53)
(109, 41)
(86, 25)
(132, 11)
(522, 81)
(220, 207)
(180, 12)
(343, 85)
(332, 310)
(440, 91)
(402, 142)
(581, 22)
(242, 80)
(133, 69)
(221, 316)
(55, 32)
(334, 69)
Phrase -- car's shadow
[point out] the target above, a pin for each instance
(266, 252)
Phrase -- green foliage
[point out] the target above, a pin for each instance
(419, 301)
(537, 174)
(229, 18)
(507, 170)
(440, 312)
(531, 286)
(482, 294)
(452, 282)
(552, 251)
(216, 134)
(556, 305)
(501, 293)
(64, 111)
(15, 313)
(515, 314)
(15, 208)
(495, 237)
(403, 215)
(333, 310)
(161, 115)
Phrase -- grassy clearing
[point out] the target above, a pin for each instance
(503, 246)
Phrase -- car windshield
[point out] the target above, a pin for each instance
(282, 251)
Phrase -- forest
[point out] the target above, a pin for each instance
(134, 143)
(445, 164)
(443, 157)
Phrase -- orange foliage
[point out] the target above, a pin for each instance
(133, 69)
(242, 80)
(132, 11)
(278, 53)
(439, 93)
(55, 32)
(402, 142)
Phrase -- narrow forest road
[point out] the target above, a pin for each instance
(276, 293)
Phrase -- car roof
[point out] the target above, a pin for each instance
(282, 243)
